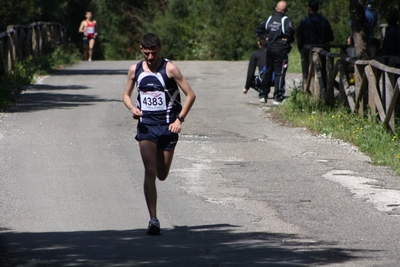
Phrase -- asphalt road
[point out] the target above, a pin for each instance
(243, 190)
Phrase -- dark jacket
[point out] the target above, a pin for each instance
(314, 30)
(273, 29)
(257, 60)
(391, 43)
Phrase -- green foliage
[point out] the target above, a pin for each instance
(15, 12)
(190, 29)
(181, 29)
(224, 30)
(21, 75)
(338, 15)
(120, 27)
(368, 134)
(63, 55)
(294, 61)
(24, 71)
(300, 102)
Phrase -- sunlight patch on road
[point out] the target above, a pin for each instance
(386, 200)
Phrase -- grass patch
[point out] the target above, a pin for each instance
(24, 72)
(368, 134)
(294, 61)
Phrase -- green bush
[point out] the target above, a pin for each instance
(24, 71)
(64, 55)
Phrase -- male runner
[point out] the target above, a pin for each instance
(89, 29)
(160, 115)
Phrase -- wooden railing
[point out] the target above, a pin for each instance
(22, 41)
(359, 84)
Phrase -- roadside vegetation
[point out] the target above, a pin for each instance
(370, 136)
(294, 61)
(25, 71)
(189, 29)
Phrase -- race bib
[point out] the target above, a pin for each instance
(153, 101)
(90, 30)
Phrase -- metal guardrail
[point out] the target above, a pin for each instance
(22, 41)
(361, 84)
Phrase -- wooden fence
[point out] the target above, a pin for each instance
(22, 41)
(359, 84)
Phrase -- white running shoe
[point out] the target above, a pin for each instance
(278, 103)
(263, 100)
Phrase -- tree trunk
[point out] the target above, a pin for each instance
(360, 38)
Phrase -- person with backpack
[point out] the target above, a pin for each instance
(314, 29)
(278, 31)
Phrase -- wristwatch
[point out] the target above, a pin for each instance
(182, 119)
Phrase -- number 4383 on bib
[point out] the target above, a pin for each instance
(153, 101)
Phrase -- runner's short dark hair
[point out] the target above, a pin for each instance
(150, 40)
(314, 5)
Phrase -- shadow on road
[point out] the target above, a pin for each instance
(208, 245)
(91, 72)
(43, 101)
(44, 96)
(45, 87)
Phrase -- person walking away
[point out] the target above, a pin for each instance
(371, 19)
(279, 32)
(160, 116)
(391, 42)
(314, 30)
(257, 60)
(89, 29)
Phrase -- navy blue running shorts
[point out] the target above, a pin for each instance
(157, 133)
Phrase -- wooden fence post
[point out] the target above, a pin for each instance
(20, 42)
(319, 86)
(331, 86)
(329, 95)
(10, 56)
(2, 67)
(389, 120)
(374, 83)
(359, 88)
(373, 94)
(27, 44)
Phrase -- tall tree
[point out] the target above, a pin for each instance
(190, 29)
(15, 12)
(121, 26)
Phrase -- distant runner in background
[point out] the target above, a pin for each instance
(89, 29)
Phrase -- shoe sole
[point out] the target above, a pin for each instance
(153, 230)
